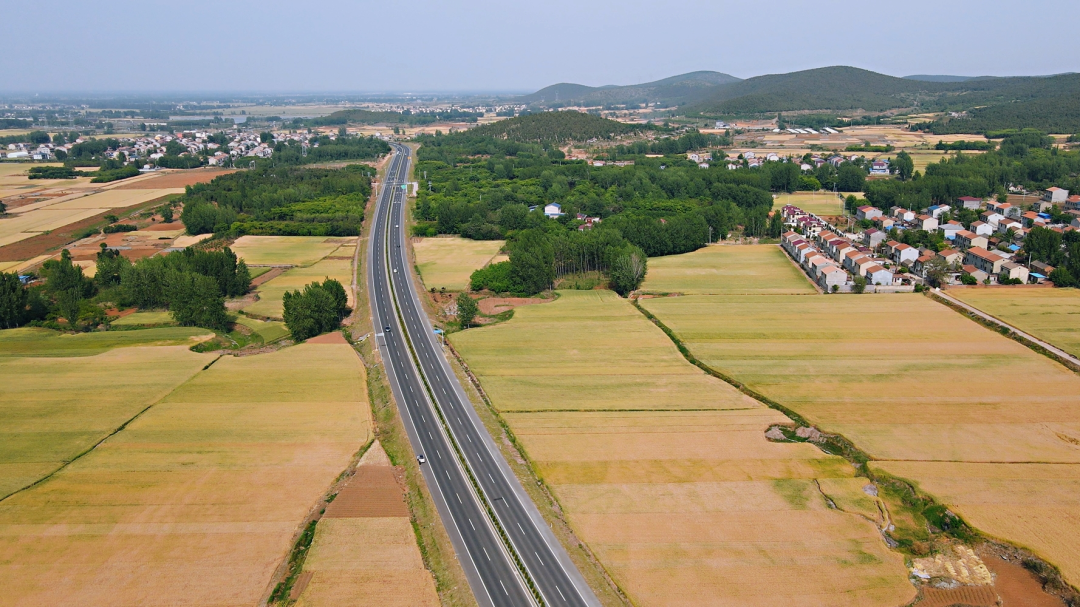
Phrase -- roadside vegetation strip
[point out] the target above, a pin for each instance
(208, 485)
(878, 388)
(659, 496)
(1047, 314)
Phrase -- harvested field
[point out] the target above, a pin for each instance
(940, 400)
(819, 203)
(115, 199)
(1052, 315)
(365, 552)
(727, 270)
(187, 241)
(37, 342)
(286, 250)
(198, 499)
(666, 473)
(178, 179)
(271, 292)
(448, 262)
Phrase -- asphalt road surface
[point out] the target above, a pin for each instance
(443, 426)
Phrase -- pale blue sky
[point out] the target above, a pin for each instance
(482, 45)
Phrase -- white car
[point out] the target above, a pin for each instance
(420, 459)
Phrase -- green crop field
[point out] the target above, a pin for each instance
(287, 250)
(665, 472)
(46, 342)
(271, 292)
(1052, 315)
(61, 400)
(269, 330)
(916, 385)
(727, 269)
(448, 262)
(818, 203)
(196, 500)
(157, 317)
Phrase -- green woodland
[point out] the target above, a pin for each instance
(285, 201)
(494, 184)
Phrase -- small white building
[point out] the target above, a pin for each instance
(553, 210)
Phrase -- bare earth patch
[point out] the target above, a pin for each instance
(498, 305)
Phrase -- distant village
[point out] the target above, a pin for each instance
(237, 143)
(983, 252)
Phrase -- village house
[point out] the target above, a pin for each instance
(981, 228)
(830, 276)
(878, 275)
(1072, 203)
(902, 214)
(867, 212)
(1031, 219)
(872, 238)
(1008, 224)
(984, 260)
(965, 240)
(1055, 195)
(950, 229)
(553, 210)
(926, 222)
(970, 202)
(879, 167)
(991, 217)
(922, 262)
(937, 210)
(1011, 270)
(884, 223)
(951, 256)
(905, 254)
(976, 273)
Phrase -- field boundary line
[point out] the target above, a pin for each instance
(120, 428)
(1047, 572)
(989, 321)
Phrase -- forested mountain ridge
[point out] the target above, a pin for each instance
(676, 90)
(554, 128)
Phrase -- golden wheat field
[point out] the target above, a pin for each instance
(727, 269)
(366, 560)
(197, 500)
(270, 293)
(448, 262)
(1052, 315)
(287, 250)
(912, 383)
(666, 473)
(819, 203)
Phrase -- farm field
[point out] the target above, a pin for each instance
(1052, 315)
(364, 551)
(62, 398)
(197, 500)
(818, 203)
(448, 262)
(727, 269)
(917, 386)
(665, 472)
(157, 317)
(314, 258)
(271, 292)
(268, 330)
(286, 250)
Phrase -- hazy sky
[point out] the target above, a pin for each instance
(482, 45)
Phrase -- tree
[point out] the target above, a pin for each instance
(466, 309)
(860, 285)
(776, 225)
(628, 271)
(532, 261)
(903, 166)
(1062, 277)
(196, 301)
(167, 213)
(65, 282)
(12, 300)
(936, 269)
(1044, 244)
(110, 266)
(315, 310)
(850, 178)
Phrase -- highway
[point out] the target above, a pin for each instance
(443, 426)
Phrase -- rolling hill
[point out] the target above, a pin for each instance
(676, 90)
(999, 102)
